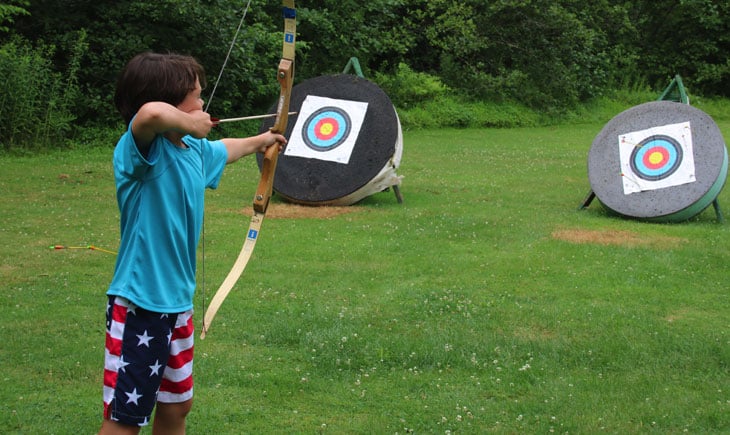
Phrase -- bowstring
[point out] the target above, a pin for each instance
(228, 55)
(210, 99)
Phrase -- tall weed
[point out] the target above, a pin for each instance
(36, 104)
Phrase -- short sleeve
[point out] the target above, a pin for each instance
(215, 156)
(128, 161)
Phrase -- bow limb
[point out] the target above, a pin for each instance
(285, 76)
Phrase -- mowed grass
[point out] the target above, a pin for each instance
(486, 302)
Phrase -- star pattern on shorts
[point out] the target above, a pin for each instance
(121, 364)
(144, 339)
(155, 369)
(133, 397)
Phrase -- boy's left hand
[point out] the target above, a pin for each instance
(270, 138)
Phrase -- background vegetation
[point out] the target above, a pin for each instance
(506, 62)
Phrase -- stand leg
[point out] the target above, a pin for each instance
(588, 200)
(398, 196)
(718, 212)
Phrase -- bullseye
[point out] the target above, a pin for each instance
(656, 157)
(326, 129)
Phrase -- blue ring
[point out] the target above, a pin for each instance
(344, 124)
(662, 141)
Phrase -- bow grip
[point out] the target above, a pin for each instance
(271, 156)
(266, 184)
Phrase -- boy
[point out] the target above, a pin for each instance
(162, 165)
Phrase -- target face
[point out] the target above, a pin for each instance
(326, 129)
(657, 158)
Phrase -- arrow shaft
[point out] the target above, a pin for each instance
(247, 118)
(90, 247)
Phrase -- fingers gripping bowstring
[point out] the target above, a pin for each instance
(210, 99)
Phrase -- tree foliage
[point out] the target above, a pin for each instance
(117, 30)
(546, 54)
(9, 10)
(686, 37)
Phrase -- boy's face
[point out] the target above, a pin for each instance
(192, 101)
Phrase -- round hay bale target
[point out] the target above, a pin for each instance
(659, 161)
(345, 142)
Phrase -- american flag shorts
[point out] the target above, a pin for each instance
(148, 358)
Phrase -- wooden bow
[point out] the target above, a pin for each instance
(285, 76)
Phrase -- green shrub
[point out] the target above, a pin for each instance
(36, 103)
(717, 108)
(455, 112)
(407, 88)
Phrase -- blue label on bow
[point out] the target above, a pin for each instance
(289, 13)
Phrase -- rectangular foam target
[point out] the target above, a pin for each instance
(326, 129)
(656, 158)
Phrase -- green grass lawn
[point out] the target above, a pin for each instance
(486, 302)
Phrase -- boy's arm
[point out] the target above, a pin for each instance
(239, 147)
(157, 118)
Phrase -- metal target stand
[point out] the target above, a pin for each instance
(677, 93)
(354, 64)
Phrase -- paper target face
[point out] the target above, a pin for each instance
(657, 158)
(326, 129)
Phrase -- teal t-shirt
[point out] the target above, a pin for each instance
(161, 203)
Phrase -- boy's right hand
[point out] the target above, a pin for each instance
(200, 124)
(161, 118)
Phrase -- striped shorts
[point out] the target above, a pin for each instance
(148, 358)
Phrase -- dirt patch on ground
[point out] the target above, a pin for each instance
(678, 315)
(295, 211)
(615, 237)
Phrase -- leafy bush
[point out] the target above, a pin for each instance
(36, 104)
(407, 88)
(448, 111)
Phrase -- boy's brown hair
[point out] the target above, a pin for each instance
(156, 77)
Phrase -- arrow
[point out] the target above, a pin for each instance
(90, 247)
(246, 118)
